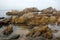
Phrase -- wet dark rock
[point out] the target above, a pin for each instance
(2, 17)
(5, 21)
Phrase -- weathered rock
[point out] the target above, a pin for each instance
(56, 13)
(28, 15)
(44, 20)
(34, 21)
(8, 30)
(4, 22)
(13, 12)
(13, 19)
(58, 21)
(43, 30)
(20, 13)
(33, 9)
(49, 10)
(7, 20)
(21, 19)
(31, 19)
(52, 19)
(38, 19)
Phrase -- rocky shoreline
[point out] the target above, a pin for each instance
(34, 23)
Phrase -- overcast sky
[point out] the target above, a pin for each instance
(21, 4)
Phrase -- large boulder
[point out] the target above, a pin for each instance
(49, 10)
(5, 21)
(39, 31)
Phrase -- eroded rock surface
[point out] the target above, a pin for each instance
(43, 30)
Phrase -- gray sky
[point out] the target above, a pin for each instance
(21, 4)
